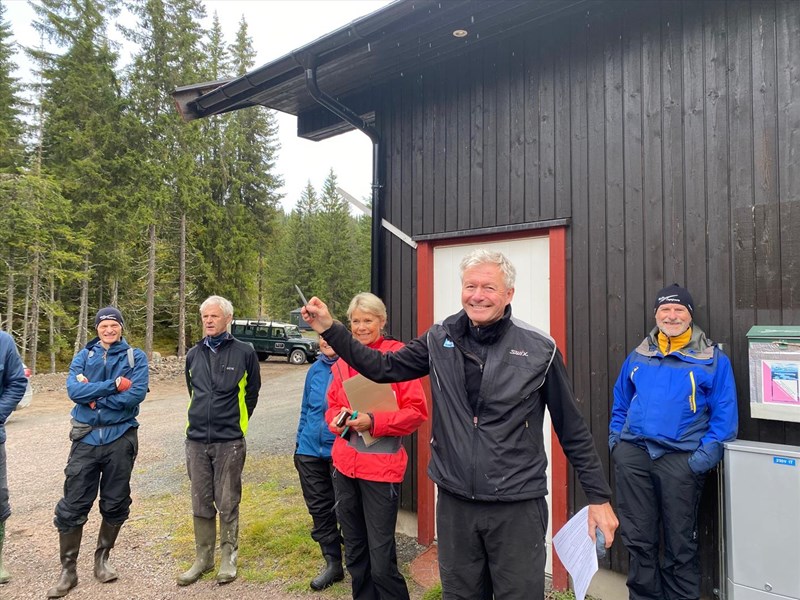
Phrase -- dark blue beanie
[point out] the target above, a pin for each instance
(109, 313)
(675, 294)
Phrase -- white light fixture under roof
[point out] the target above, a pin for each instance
(460, 33)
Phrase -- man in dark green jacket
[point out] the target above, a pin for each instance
(223, 378)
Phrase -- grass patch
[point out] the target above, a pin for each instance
(567, 595)
(434, 593)
(275, 542)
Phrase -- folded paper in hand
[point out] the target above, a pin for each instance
(366, 396)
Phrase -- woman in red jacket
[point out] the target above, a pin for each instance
(367, 478)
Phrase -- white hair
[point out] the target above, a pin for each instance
(223, 303)
(482, 256)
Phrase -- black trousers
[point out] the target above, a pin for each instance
(367, 512)
(316, 482)
(491, 547)
(89, 468)
(215, 472)
(656, 497)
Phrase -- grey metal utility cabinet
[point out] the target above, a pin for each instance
(762, 521)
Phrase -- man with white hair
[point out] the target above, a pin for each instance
(223, 378)
(491, 378)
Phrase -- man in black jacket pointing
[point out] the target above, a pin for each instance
(491, 378)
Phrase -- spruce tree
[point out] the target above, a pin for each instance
(81, 148)
(292, 256)
(172, 193)
(12, 128)
(335, 248)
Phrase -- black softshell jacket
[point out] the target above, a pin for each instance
(496, 451)
(223, 390)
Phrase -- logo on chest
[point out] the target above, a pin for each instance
(513, 352)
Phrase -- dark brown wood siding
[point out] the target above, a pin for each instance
(668, 132)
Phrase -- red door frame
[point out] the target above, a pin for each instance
(558, 330)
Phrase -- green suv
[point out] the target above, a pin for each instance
(272, 338)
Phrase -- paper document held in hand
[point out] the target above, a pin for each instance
(366, 396)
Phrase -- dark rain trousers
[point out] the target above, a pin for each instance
(106, 468)
(491, 547)
(654, 496)
(5, 507)
(215, 472)
(316, 481)
(367, 512)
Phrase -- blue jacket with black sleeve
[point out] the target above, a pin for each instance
(682, 402)
(313, 436)
(97, 402)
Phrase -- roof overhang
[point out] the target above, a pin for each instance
(401, 38)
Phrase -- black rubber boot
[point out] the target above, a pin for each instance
(70, 545)
(205, 537)
(103, 571)
(333, 570)
(229, 550)
(5, 576)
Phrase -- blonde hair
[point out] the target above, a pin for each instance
(369, 303)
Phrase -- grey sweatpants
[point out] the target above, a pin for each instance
(215, 471)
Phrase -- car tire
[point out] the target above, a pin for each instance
(262, 355)
(297, 357)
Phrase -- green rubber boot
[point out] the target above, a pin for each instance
(5, 576)
(229, 549)
(205, 538)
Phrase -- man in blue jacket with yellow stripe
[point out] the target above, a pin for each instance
(674, 407)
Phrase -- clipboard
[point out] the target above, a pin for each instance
(366, 396)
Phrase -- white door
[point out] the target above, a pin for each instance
(531, 258)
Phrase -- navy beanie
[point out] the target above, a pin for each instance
(675, 294)
(109, 313)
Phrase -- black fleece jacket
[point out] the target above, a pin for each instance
(223, 389)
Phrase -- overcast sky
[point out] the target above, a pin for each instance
(276, 27)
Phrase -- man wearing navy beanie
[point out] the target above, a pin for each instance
(674, 406)
(109, 313)
(675, 294)
(107, 381)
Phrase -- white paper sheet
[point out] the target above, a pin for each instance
(577, 551)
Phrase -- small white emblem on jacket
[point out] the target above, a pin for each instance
(518, 352)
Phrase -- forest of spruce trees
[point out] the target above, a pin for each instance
(107, 197)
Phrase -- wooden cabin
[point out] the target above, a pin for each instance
(610, 147)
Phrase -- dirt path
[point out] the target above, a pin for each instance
(37, 448)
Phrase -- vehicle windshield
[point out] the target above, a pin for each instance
(292, 331)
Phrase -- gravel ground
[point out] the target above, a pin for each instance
(37, 449)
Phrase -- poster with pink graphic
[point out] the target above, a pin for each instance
(780, 381)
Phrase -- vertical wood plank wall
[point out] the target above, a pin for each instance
(668, 132)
